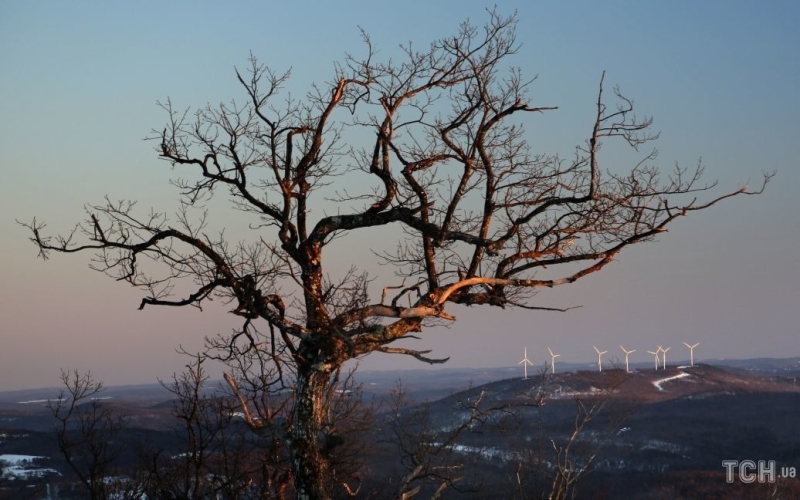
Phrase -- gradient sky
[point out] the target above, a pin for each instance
(78, 86)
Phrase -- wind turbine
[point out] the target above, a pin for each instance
(665, 355)
(627, 352)
(553, 359)
(655, 353)
(691, 351)
(599, 358)
(525, 362)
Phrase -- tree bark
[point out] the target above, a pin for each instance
(309, 461)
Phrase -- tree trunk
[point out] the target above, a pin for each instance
(309, 461)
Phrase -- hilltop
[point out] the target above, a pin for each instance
(660, 431)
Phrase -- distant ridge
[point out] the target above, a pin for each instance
(445, 377)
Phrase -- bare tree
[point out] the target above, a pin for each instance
(87, 432)
(481, 212)
(551, 465)
(217, 455)
(203, 422)
(575, 456)
(431, 450)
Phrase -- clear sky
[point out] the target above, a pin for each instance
(78, 86)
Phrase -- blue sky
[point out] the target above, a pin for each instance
(79, 84)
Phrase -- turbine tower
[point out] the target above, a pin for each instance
(655, 353)
(525, 362)
(691, 352)
(664, 351)
(627, 353)
(553, 359)
(599, 358)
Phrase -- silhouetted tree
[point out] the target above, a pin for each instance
(88, 434)
(550, 465)
(451, 168)
(210, 456)
(431, 450)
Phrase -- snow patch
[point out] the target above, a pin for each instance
(484, 452)
(662, 446)
(560, 392)
(19, 459)
(658, 383)
(5, 436)
(21, 467)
